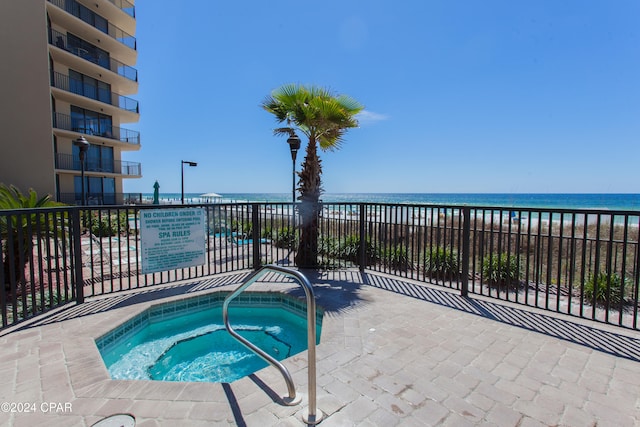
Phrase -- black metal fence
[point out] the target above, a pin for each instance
(583, 263)
(95, 127)
(92, 54)
(87, 15)
(97, 91)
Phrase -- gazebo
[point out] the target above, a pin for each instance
(211, 197)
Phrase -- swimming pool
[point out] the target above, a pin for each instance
(186, 340)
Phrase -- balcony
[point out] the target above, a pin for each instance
(125, 6)
(72, 85)
(93, 54)
(96, 128)
(97, 21)
(95, 199)
(118, 167)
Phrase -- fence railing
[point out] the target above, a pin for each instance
(96, 199)
(95, 127)
(69, 84)
(125, 6)
(71, 162)
(93, 54)
(583, 263)
(87, 15)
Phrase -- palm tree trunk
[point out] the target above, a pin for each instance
(309, 208)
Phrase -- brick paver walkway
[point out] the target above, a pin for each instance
(392, 352)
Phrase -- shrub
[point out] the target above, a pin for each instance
(33, 305)
(599, 287)
(501, 269)
(283, 237)
(104, 227)
(397, 257)
(109, 225)
(349, 250)
(442, 264)
(327, 246)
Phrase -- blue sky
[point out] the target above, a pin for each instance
(460, 96)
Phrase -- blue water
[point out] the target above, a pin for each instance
(537, 200)
(197, 347)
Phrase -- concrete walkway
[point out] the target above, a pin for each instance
(392, 352)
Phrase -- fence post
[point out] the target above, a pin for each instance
(363, 238)
(77, 255)
(466, 244)
(255, 235)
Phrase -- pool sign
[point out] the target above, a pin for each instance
(171, 238)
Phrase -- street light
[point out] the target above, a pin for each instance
(294, 146)
(83, 145)
(182, 163)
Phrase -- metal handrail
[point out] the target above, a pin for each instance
(94, 55)
(314, 416)
(70, 84)
(85, 14)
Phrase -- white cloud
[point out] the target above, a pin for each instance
(366, 117)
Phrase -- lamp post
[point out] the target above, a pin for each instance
(294, 146)
(83, 145)
(182, 163)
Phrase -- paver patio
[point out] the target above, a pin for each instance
(392, 352)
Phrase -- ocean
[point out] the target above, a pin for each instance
(624, 202)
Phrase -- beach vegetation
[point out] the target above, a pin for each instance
(442, 264)
(109, 225)
(605, 288)
(33, 303)
(323, 118)
(397, 258)
(103, 227)
(348, 249)
(501, 269)
(283, 237)
(17, 231)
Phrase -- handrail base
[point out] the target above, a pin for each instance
(292, 401)
(313, 419)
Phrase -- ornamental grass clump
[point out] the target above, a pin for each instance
(442, 264)
(284, 237)
(606, 289)
(501, 269)
(397, 257)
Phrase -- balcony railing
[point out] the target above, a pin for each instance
(581, 263)
(79, 11)
(71, 162)
(106, 199)
(76, 86)
(60, 40)
(95, 199)
(96, 128)
(125, 6)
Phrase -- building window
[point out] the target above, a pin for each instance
(87, 15)
(91, 122)
(100, 191)
(98, 159)
(88, 86)
(88, 51)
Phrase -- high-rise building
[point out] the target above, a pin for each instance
(66, 71)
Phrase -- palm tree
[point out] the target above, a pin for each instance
(17, 230)
(323, 118)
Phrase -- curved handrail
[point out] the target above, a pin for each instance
(313, 417)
